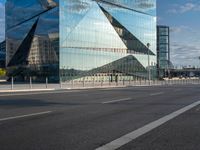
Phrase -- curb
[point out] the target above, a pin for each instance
(25, 90)
(54, 89)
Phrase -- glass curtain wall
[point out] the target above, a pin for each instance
(32, 39)
(80, 39)
(163, 52)
(2, 54)
(106, 39)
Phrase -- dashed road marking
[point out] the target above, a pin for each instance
(118, 100)
(159, 93)
(24, 116)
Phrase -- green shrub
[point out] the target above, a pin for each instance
(2, 72)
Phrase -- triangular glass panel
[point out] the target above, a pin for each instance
(21, 55)
(127, 28)
(94, 31)
(15, 37)
(71, 13)
(128, 66)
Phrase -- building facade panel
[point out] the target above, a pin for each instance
(76, 39)
(2, 54)
(142, 26)
(142, 6)
(32, 39)
(95, 34)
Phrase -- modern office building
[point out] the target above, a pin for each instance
(76, 39)
(163, 50)
(2, 54)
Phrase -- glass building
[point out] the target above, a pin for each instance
(80, 39)
(163, 50)
(2, 54)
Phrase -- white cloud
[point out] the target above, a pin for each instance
(184, 54)
(179, 29)
(187, 7)
(185, 48)
(2, 22)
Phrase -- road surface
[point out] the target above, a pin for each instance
(132, 118)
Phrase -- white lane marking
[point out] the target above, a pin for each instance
(154, 94)
(119, 100)
(23, 116)
(145, 129)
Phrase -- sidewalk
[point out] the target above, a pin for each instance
(56, 89)
(35, 87)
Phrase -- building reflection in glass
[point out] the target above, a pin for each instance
(76, 39)
(32, 36)
(105, 39)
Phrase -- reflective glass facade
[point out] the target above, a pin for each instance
(32, 39)
(76, 39)
(2, 54)
(163, 49)
(106, 38)
(163, 46)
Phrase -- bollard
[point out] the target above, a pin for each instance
(149, 82)
(72, 84)
(12, 83)
(61, 85)
(93, 82)
(83, 82)
(46, 82)
(30, 83)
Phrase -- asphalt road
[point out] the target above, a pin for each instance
(89, 119)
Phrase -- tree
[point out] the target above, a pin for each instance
(2, 72)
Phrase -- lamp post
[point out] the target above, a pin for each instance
(199, 61)
(199, 67)
(149, 73)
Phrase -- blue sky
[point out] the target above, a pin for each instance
(2, 16)
(183, 17)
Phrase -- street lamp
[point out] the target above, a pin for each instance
(199, 66)
(199, 61)
(149, 73)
